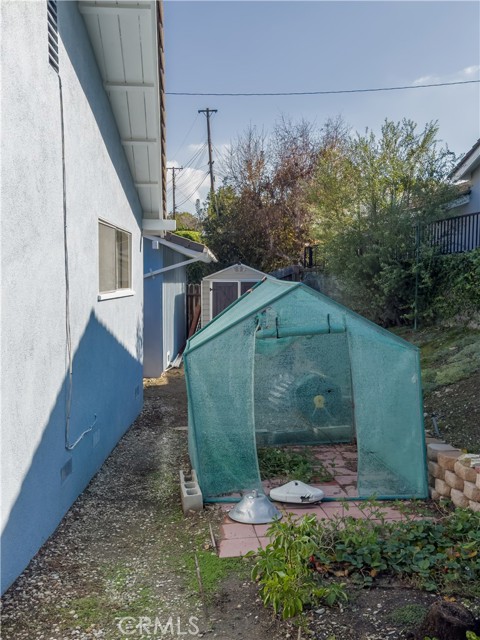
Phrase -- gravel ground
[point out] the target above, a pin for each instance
(125, 550)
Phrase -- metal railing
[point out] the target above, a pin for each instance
(454, 235)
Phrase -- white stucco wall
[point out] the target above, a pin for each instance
(106, 336)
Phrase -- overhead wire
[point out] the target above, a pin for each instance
(186, 136)
(198, 154)
(194, 191)
(320, 93)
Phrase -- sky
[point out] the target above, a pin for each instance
(300, 46)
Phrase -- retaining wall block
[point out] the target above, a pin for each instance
(442, 487)
(471, 490)
(459, 499)
(436, 470)
(466, 473)
(434, 449)
(475, 506)
(453, 480)
(446, 459)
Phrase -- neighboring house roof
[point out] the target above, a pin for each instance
(469, 162)
(239, 267)
(127, 39)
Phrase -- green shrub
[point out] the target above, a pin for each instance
(305, 559)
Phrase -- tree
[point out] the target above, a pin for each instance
(259, 216)
(187, 221)
(370, 195)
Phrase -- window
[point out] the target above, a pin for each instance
(114, 259)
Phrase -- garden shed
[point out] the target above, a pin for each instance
(220, 289)
(285, 364)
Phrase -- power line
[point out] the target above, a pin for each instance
(324, 93)
(186, 136)
(196, 189)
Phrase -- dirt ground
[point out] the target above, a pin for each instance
(457, 409)
(122, 562)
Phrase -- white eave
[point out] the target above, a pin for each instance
(467, 164)
(126, 39)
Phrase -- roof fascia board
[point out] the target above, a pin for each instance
(467, 165)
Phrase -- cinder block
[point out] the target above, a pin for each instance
(471, 490)
(434, 495)
(446, 459)
(475, 506)
(459, 499)
(436, 470)
(435, 448)
(453, 480)
(190, 493)
(442, 488)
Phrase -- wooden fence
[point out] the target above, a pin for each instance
(193, 300)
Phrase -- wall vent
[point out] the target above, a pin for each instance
(66, 470)
(52, 34)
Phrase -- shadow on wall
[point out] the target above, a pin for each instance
(75, 39)
(108, 394)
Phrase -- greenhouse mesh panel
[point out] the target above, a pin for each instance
(221, 428)
(302, 390)
(319, 374)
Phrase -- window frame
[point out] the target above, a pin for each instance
(118, 291)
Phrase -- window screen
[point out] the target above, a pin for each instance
(115, 249)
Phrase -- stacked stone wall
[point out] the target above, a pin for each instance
(453, 474)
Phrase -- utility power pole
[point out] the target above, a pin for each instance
(173, 169)
(207, 112)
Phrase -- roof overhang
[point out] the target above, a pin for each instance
(467, 164)
(194, 251)
(186, 247)
(127, 39)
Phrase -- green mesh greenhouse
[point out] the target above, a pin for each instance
(285, 364)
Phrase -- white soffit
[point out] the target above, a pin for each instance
(124, 37)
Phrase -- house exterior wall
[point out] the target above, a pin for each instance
(473, 206)
(40, 477)
(165, 310)
(174, 307)
(153, 313)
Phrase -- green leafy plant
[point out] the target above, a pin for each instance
(280, 462)
(306, 558)
(283, 572)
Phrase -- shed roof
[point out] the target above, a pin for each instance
(266, 293)
(238, 267)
